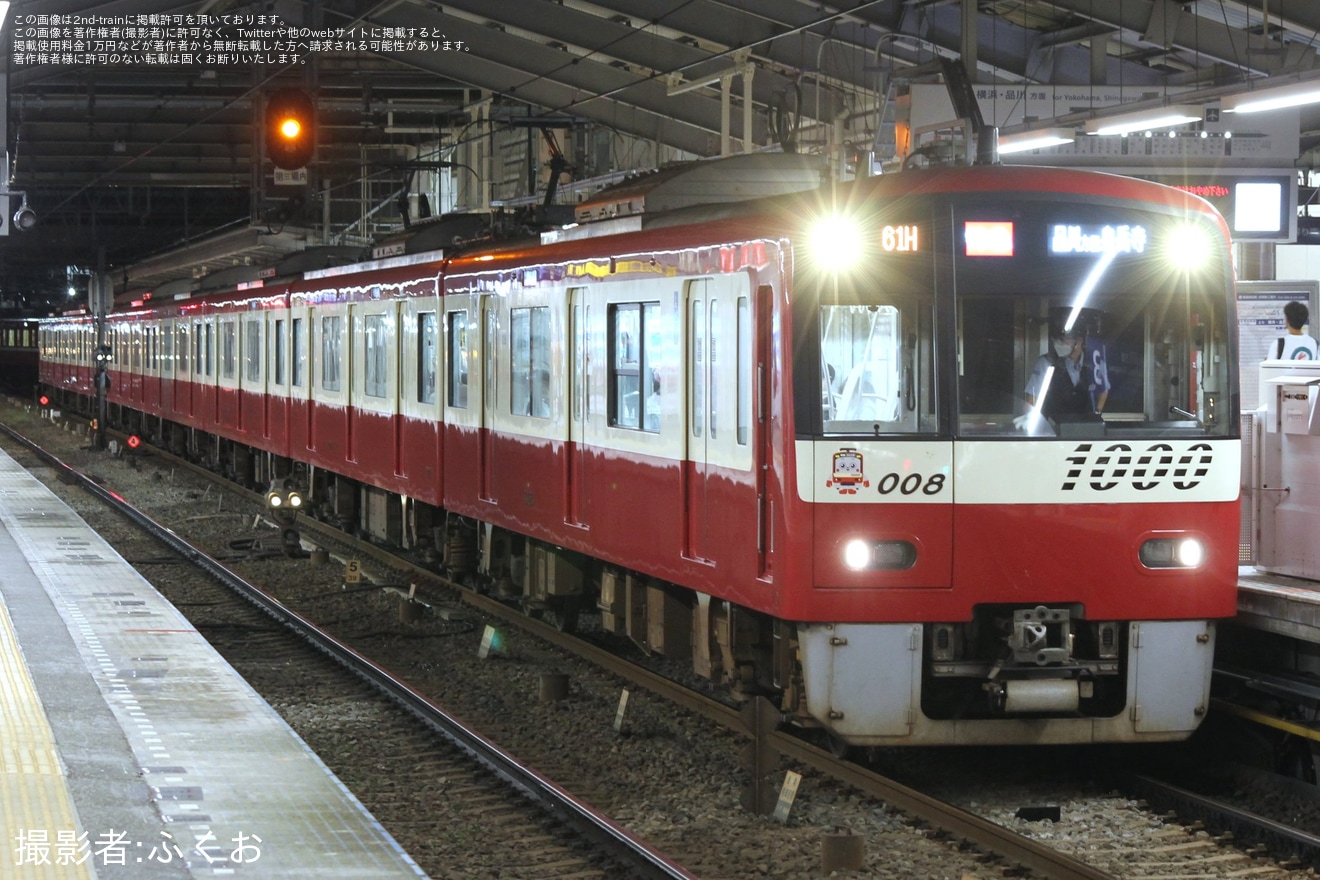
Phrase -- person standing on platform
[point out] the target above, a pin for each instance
(1296, 346)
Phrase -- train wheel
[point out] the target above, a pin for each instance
(838, 747)
(562, 614)
(1295, 758)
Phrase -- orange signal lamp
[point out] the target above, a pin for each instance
(134, 441)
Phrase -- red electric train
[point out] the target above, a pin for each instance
(944, 456)
(18, 355)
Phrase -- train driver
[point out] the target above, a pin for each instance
(1071, 379)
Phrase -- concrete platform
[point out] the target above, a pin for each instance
(1283, 605)
(128, 747)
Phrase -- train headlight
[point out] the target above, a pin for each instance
(860, 555)
(1179, 552)
(1188, 247)
(857, 554)
(835, 243)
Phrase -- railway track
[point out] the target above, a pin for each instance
(516, 822)
(964, 837)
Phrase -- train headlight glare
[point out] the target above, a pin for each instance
(1189, 552)
(857, 554)
(835, 243)
(1172, 553)
(1188, 247)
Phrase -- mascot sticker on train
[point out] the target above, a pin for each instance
(848, 472)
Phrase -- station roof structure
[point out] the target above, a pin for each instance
(123, 160)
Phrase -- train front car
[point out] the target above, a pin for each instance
(1017, 449)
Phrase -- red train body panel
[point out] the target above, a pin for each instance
(858, 481)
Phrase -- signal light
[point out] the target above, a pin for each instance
(290, 129)
(134, 441)
(44, 400)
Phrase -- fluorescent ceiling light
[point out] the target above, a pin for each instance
(1020, 142)
(1141, 120)
(1276, 98)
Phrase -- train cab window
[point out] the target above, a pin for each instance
(297, 353)
(252, 350)
(876, 369)
(376, 356)
(228, 349)
(634, 384)
(529, 379)
(278, 344)
(457, 380)
(331, 352)
(427, 356)
(1134, 363)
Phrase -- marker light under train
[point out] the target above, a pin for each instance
(859, 555)
(1188, 247)
(1179, 552)
(835, 243)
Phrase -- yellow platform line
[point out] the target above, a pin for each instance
(1296, 728)
(34, 796)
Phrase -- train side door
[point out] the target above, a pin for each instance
(758, 337)
(487, 391)
(700, 407)
(579, 407)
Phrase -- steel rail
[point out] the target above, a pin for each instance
(998, 840)
(620, 843)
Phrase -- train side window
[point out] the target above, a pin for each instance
(698, 369)
(714, 363)
(331, 350)
(210, 348)
(634, 386)
(427, 351)
(529, 385)
(457, 380)
(375, 370)
(277, 351)
(745, 368)
(167, 348)
(298, 355)
(228, 349)
(181, 346)
(252, 334)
